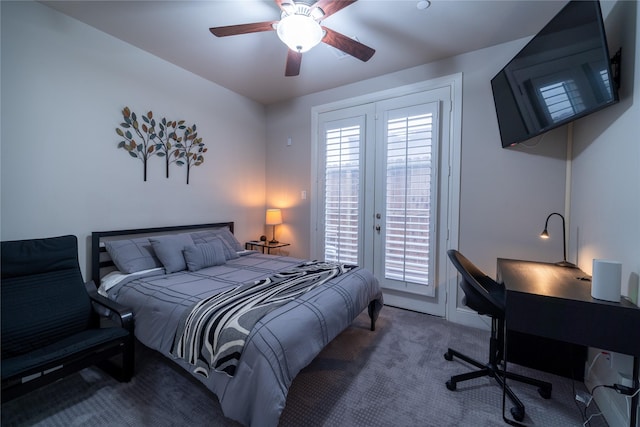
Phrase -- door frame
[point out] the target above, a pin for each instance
(446, 275)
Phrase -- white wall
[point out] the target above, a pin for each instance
(605, 196)
(64, 85)
(506, 194)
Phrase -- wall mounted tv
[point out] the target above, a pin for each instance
(562, 74)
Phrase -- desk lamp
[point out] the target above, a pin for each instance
(274, 217)
(545, 235)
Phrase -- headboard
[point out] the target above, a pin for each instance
(102, 263)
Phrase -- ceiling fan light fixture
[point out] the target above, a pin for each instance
(299, 32)
(299, 28)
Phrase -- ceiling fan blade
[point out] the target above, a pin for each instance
(348, 45)
(232, 30)
(294, 60)
(329, 7)
(286, 5)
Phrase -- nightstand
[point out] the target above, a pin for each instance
(254, 244)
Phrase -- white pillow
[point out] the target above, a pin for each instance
(115, 277)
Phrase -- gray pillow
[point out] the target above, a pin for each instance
(132, 255)
(203, 255)
(231, 244)
(225, 234)
(169, 249)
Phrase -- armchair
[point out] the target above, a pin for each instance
(51, 324)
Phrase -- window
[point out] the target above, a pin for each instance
(342, 189)
(408, 191)
(562, 99)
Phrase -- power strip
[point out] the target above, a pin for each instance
(623, 389)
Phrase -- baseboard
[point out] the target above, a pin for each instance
(467, 317)
(413, 302)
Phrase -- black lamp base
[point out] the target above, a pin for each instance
(273, 242)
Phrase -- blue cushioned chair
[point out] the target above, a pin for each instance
(50, 321)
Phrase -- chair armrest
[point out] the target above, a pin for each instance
(124, 313)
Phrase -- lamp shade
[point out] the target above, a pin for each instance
(274, 217)
(299, 32)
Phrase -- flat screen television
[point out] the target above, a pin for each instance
(562, 74)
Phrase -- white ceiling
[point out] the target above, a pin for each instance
(253, 64)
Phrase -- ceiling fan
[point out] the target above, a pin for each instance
(299, 28)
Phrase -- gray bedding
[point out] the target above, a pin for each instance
(282, 343)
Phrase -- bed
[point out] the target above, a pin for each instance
(284, 331)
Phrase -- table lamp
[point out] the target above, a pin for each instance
(274, 217)
(545, 235)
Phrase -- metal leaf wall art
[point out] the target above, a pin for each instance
(170, 140)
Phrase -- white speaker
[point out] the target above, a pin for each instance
(606, 282)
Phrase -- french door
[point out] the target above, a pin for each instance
(379, 192)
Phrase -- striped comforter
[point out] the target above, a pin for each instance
(212, 334)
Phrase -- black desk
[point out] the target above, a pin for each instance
(552, 302)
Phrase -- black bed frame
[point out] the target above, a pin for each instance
(99, 259)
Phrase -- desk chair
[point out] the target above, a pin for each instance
(484, 295)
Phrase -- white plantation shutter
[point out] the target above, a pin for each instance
(408, 198)
(342, 190)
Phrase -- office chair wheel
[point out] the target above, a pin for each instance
(544, 392)
(451, 385)
(449, 357)
(517, 413)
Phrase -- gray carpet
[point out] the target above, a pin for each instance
(391, 377)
